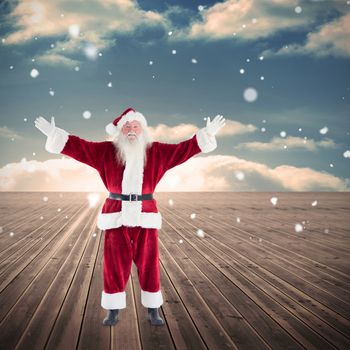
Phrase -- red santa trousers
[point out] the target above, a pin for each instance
(123, 245)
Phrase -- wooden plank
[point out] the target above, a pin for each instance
(24, 309)
(66, 330)
(274, 308)
(152, 337)
(93, 334)
(235, 326)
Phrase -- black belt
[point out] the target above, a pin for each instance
(130, 197)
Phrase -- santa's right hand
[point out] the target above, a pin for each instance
(44, 126)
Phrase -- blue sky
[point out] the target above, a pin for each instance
(178, 62)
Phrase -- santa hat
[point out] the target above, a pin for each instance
(127, 116)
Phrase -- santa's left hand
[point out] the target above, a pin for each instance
(213, 127)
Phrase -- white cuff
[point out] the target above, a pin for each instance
(206, 142)
(152, 300)
(56, 140)
(113, 301)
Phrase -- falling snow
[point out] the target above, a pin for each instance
(283, 134)
(262, 78)
(250, 94)
(90, 51)
(298, 227)
(74, 30)
(170, 33)
(94, 235)
(51, 92)
(192, 216)
(150, 63)
(87, 115)
(194, 61)
(59, 209)
(298, 9)
(173, 52)
(324, 130)
(314, 203)
(180, 241)
(200, 8)
(171, 202)
(346, 154)
(45, 199)
(241, 71)
(239, 175)
(77, 69)
(109, 84)
(11, 234)
(1, 230)
(261, 58)
(34, 73)
(238, 220)
(274, 200)
(93, 199)
(200, 233)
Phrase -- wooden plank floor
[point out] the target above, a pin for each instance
(252, 281)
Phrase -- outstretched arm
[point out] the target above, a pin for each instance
(203, 141)
(59, 141)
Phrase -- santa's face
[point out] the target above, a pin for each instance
(131, 130)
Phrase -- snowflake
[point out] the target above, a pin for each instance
(241, 71)
(45, 199)
(193, 215)
(74, 30)
(324, 130)
(180, 241)
(250, 94)
(298, 9)
(274, 200)
(314, 203)
(283, 134)
(87, 114)
(298, 227)
(93, 199)
(239, 175)
(34, 73)
(171, 202)
(194, 61)
(346, 154)
(200, 233)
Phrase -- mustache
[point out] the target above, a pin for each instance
(131, 134)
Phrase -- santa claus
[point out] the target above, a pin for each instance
(130, 166)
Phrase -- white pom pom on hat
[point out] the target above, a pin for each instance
(127, 116)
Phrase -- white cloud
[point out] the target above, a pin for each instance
(330, 39)
(249, 19)
(278, 143)
(98, 20)
(166, 133)
(8, 133)
(211, 173)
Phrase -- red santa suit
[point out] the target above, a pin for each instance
(131, 227)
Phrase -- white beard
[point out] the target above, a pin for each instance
(132, 152)
(133, 156)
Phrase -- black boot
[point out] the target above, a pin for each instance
(112, 318)
(153, 316)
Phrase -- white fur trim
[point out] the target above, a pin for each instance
(130, 116)
(113, 220)
(56, 140)
(152, 300)
(111, 129)
(113, 301)
(206, 142)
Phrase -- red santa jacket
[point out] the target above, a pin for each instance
(119, 178)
